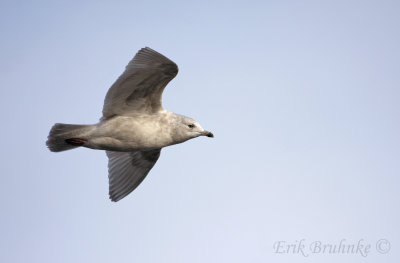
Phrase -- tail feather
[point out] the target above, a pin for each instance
(60, 133)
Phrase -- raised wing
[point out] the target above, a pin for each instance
(139, 89)
(126, 170)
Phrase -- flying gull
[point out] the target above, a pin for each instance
(134, 126)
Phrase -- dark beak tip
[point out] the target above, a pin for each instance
(210, 134)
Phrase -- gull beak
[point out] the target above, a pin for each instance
(207, 133)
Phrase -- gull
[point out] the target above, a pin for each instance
(134, 126)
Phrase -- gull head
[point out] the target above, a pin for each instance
(187, 128)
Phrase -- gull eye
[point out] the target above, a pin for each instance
(191, 126)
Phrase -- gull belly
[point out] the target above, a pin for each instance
(125, 133)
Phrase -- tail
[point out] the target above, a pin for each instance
(64, 137)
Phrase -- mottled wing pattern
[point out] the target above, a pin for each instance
(126, 170)
(139, 89)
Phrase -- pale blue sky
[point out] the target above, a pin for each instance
(303, 99)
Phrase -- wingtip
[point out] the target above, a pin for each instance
(113, 199)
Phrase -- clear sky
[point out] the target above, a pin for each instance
(303, 99)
